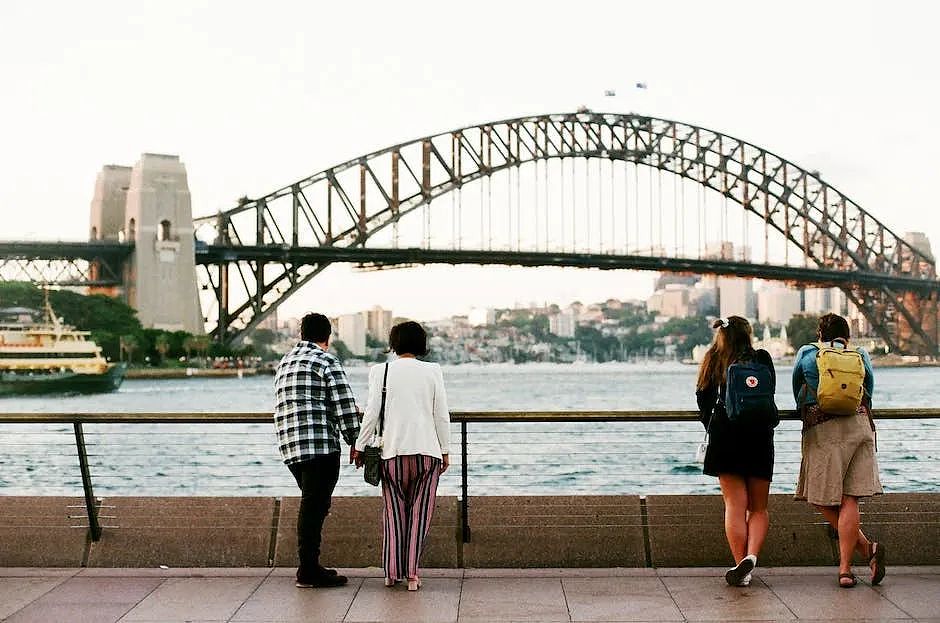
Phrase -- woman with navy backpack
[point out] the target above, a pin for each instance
(735, 392)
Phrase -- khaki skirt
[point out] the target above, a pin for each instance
(838, 459)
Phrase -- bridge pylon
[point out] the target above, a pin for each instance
(150, 206)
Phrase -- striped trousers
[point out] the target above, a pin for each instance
(409, 487)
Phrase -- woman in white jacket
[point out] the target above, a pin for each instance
(414, 447)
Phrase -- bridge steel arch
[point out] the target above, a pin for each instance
(344, 206)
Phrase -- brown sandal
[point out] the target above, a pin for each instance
(847, 576)
(878, 559)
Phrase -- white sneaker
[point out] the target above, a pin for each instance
(745, 581)
(735, 575)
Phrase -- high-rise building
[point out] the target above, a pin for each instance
(777, 303)
(819, 301)
(378, 323)
(676, 301)
(919, 241)
(351, 331)
(736, 297)
(481, 316)
(563, 324)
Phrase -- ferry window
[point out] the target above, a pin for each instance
(164, 232)
(132, 229)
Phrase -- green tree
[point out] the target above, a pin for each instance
(342, 351)
(162, 345)
(263, 339)
(199, 344)
(688, 332)
(802, 330)
(129, 344)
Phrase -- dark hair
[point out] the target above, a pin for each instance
(832, 327)
(315, 328)
(732, 339)
(408, 338)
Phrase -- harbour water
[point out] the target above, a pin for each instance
(504, 458)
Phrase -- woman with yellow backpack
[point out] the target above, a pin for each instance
(832, 384)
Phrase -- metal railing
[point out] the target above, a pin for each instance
(492, 453)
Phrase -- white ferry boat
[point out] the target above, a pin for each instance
(46, 356)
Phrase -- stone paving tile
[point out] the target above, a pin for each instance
(194, 599)
(619, 599)
(617, 572)
(88, 599)
(701, 599)
(435, 602)
(811, 597)
(916, 595)
(38, 572)
(513, 599)
(16, 593)
(82, 590)
(73, 613)
(175, 572)
(277, 599)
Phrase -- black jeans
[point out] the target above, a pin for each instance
(316, 478)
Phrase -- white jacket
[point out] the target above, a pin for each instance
(416, 417)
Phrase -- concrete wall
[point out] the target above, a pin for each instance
(540, 531)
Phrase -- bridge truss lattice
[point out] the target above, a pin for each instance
(274, 244)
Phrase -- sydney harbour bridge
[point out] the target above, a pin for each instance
(587, 190)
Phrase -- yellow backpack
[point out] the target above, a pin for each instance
(841, 379)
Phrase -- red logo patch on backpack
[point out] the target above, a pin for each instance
(751, 381)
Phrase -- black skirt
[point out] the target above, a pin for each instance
(745, 450)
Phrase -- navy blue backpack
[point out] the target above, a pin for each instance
(749, 393)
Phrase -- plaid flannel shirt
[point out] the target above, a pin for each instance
(314, 403)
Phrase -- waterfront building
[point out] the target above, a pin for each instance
(563, 323)
(351, 331)
(919, 241)
(481, 316)
(673, 301)
(378, 323)
(270, 322)
(858, 324)
(819, 301)
(777, 303)
(736, 297)
(779, 346)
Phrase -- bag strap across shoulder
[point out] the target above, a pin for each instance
(382, 407)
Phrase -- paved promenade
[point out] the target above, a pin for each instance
(481, 595)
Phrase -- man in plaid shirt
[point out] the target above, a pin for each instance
(314, 405)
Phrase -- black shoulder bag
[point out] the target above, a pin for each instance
(372, 460)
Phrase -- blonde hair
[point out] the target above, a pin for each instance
(732, 339)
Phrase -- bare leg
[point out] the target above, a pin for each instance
(734, 492)
(831, 513)
(848, 532)
(758, 521)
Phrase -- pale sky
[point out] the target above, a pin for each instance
(253, 96)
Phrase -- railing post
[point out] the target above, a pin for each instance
(464, 503)
(93, 526)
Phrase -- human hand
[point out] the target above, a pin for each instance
(445, 462)
(353, 456)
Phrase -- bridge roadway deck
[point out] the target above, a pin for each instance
(481, 595)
